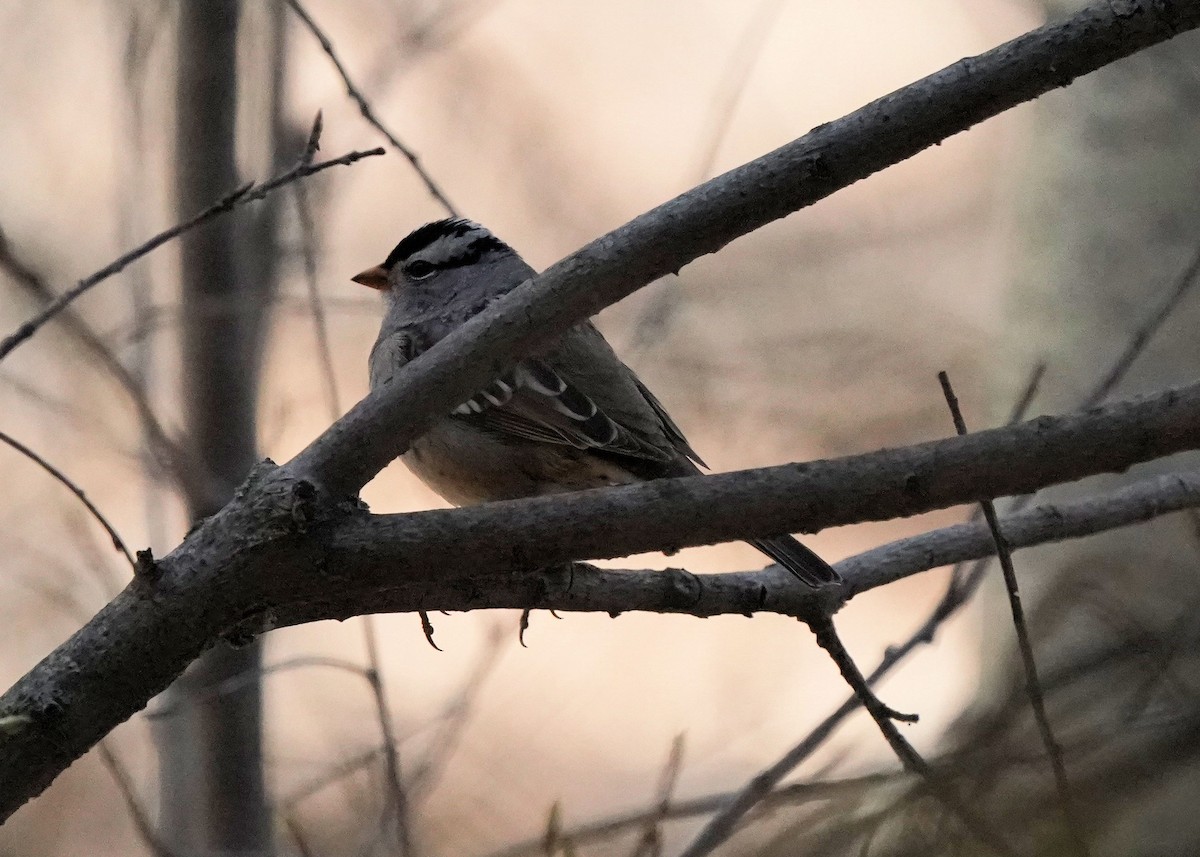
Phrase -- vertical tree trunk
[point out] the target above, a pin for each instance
(213, 797)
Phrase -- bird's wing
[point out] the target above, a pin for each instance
(582, 395)
(534, 402)
(388, 354)
(673, 432)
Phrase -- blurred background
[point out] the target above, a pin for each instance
(1045, 234)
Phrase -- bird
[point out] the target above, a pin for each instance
(570, 418)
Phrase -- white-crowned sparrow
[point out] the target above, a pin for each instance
(573, 417)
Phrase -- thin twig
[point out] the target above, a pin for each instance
(364, 107)
(912, 761)
(736, 75)
(74, 489)
(652, 322)
(391, 751)
(963, 584)
(1033, 687)
(316, 306)
(339, 772)
(1019, 409)
(141, 818)
(1142, 335)
(130, 216)
(92, 548)
(650, 842)
(243, 195)
(169, 455)
(552, 839)
(795, 794)
(722, 825)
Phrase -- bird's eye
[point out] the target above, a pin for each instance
(419, 269)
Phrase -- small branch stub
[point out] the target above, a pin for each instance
(146, 567)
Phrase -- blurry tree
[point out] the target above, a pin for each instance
(212, 794)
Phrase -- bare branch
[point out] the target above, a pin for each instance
(308, 237)
(884, 718)
(1145, 331)
(1140, 501)
(338, 772)
(241, 196)
(591, 589)
(66, 481)
(174, 458)
(650, 842)
(963, 584)
(1033, 687)
(606, 828)
(284, 549)
(734, 78)
(621, 521)
(397, 791)
(271, 557)
(364, 107)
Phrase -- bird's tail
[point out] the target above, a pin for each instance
(799, 560)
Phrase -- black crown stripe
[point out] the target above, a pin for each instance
(451, 227)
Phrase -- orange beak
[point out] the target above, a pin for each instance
(375, 277)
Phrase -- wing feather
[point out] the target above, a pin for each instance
(595, 404)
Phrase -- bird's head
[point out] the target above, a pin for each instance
(452, 259)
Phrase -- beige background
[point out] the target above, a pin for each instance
(551, 123)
